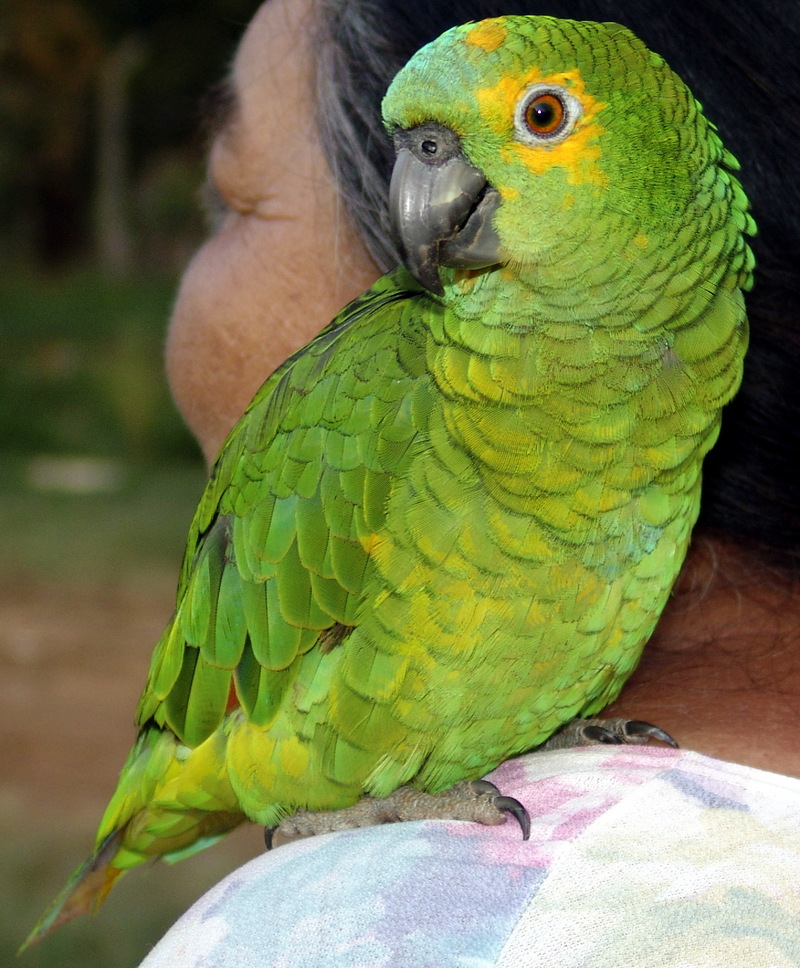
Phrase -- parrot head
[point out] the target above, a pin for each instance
(539, 144)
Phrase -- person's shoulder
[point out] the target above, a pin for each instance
(628, 845)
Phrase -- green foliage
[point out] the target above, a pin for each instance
(82, 369)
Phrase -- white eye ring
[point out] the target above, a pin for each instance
(546, 114)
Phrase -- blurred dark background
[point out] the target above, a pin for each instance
(101, 157)
(101, 163)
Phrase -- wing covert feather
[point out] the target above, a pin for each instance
(276, 552)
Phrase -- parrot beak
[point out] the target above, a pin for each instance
(441, 206)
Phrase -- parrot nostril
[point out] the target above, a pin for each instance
(434, 144)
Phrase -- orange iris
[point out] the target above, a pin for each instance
(544, 114)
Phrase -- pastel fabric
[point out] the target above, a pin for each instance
(645, 857)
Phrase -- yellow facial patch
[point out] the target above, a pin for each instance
(578, 154)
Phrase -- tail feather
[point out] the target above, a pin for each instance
(170, 802)
(83, 893)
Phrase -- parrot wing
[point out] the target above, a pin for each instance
(276, 560)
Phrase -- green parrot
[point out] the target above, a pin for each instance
(449, 524)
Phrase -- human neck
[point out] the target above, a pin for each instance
(722, 672)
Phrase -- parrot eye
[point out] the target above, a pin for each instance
(546, 115)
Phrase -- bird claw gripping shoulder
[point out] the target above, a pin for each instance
(477, 801)
(591, 732)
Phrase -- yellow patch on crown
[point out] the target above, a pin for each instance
(578, 154)
(487, 35)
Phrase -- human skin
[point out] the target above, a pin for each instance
(284, 258)
(722, 673)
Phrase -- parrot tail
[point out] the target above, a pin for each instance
(170, 802)
(83, 893)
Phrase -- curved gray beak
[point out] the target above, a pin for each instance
(441, 206)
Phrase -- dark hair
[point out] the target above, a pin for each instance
(741, 61)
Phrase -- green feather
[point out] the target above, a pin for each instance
(224, 648)
(206, 702)
(296, 600)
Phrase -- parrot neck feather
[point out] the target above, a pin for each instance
(541, 385)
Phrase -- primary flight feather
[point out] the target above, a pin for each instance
(449, 524)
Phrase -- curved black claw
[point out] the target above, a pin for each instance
(599, 734)
(638, 727)
(506, 804)
(269, 833)
(518, 811)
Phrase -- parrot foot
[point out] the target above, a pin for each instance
(590, 732)
(478, 801)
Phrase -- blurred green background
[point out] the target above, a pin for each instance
(101, 163)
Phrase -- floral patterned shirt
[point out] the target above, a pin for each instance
(653, 858)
